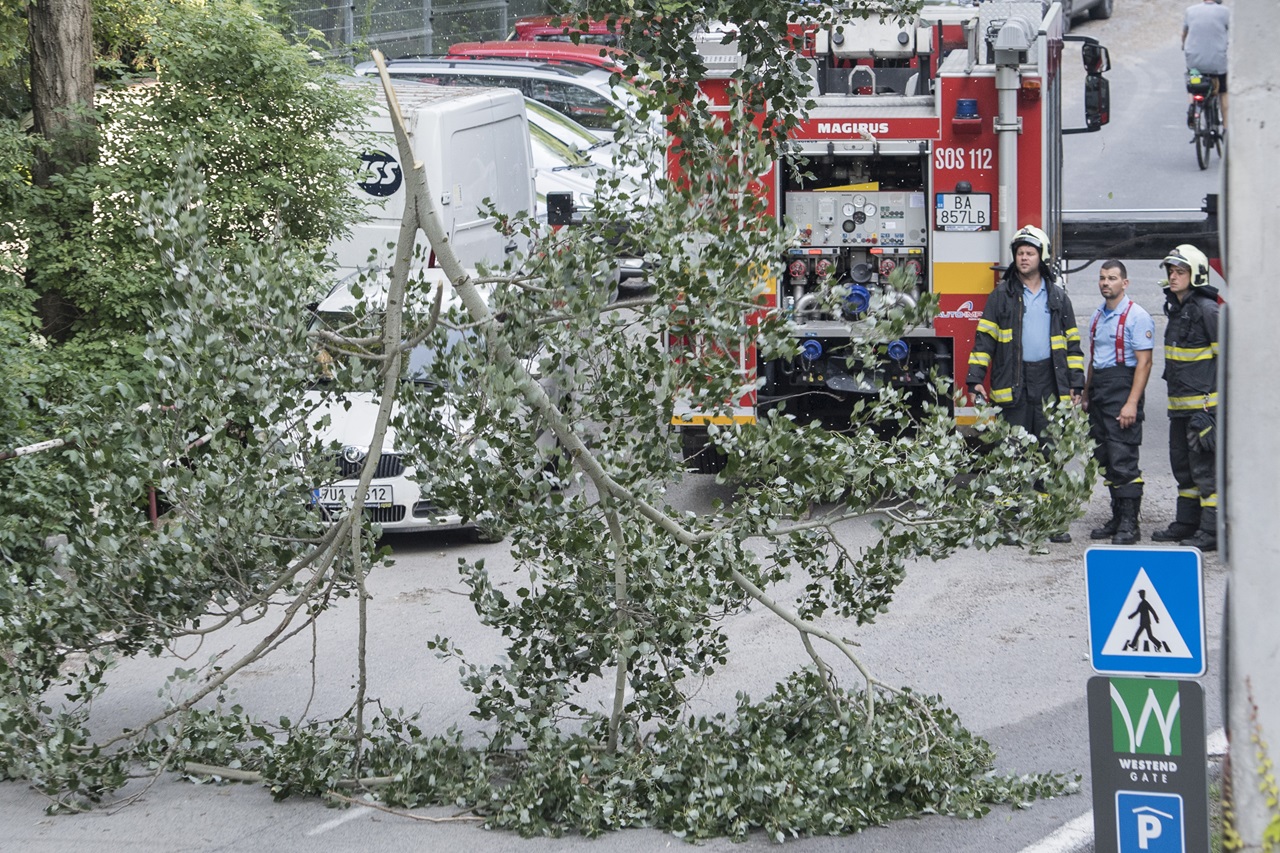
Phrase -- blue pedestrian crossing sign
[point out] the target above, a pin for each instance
(1146, 611)
(1149, 823)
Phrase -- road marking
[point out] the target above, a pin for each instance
(1077, 836)
(1069, 838)
(352, 814)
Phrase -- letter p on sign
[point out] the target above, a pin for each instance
(1149, 828)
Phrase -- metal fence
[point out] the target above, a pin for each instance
(406, 27)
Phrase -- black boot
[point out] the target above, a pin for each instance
(1186, 522)
(1203, 540)
(1127, 533)
(1106, 531)
(1175, 532)
(1206, 538)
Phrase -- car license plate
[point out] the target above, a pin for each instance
(963, 212)
(379, 495)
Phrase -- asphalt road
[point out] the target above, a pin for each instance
(1001, 635)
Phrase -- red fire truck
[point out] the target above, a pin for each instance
(932, 141)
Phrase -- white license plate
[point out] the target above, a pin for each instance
(342, 496)
(963, 212)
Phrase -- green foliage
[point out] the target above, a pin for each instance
(82, 237)
(785, 766)
(277, 171)
(208, 433)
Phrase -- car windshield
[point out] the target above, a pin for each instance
(563, 127)
(569, 157)
(423, 358)
(420, 362)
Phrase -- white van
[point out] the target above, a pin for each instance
(473, 143)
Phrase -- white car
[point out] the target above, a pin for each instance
(395, 498)
(603, 152)
(568, 158)
(582, 93)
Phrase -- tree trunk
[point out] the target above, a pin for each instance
(60, 42)
(60, 38)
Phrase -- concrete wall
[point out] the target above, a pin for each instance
(1251, 460)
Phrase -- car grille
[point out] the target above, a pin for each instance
(387, 515)
(389, 465)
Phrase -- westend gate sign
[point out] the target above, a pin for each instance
(1147, 748)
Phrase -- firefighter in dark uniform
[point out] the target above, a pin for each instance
(1191, 370)
(1028, 340)
(1121, 340)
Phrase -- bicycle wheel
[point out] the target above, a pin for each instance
(1204, 136)
(1218, 128)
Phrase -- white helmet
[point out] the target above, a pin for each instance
(1034, 237)
(1187, 255)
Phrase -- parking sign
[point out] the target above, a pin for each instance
(1149, 823)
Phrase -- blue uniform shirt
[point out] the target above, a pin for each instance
(1139, 333)
(1035, 323)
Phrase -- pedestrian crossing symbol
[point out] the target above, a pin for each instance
(1142, 627)
(1146, 611)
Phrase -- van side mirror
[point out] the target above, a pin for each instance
(1097, 60)
(560, 208)
(1097, 91)
(1097, 102)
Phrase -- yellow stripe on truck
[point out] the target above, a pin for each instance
(975, 278)
(718, 420)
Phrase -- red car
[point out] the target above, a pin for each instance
(551, 52)
(552, 28)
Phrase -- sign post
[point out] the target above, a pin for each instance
(1147, 735)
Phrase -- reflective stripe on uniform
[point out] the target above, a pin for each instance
(1075, 362)
(1190, 354)
(1210, 502)
(980, 359)
(1193, 494)
(1193, 404)
(991, 330)
(1002, 395)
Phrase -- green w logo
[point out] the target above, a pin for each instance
(1144, 716)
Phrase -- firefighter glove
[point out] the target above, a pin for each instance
(1202, 436)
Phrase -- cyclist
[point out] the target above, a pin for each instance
(1205, 30)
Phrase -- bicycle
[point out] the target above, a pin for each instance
(1206, 116)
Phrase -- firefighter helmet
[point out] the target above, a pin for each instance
(1187, 255)
(1034, 237)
